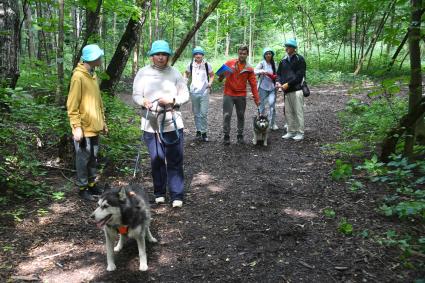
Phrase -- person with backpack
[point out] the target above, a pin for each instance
(87, 119)
(202, 77)
(290, 75)
(266, 72)
(240, 72)
(160, 89)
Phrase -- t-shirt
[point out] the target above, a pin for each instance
(152, 83)
(199, 77)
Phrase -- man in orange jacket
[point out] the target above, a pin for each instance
(235, 92)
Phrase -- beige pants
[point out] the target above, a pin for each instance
(294, 111)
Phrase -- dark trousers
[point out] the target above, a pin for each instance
(86, 160)
(166, 164)
(240, 104)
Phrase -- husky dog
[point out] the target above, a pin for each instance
(124, 211)
(261, 129)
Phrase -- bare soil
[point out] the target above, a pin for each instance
(251, 214)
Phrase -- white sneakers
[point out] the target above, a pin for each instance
(160, 200)
(275, 127)
(298, 137)
(177, 203)
(288, 136)
(295, 137)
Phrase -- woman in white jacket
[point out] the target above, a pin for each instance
(160, 90)
(266, 70)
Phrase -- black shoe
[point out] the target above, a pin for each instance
(94, 190)
(204, 137)
(85, 195)
(198, 135)
(240, 139)
(226, 140)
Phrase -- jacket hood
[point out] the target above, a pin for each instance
(80, 68)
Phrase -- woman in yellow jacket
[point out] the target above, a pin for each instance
(87, 118)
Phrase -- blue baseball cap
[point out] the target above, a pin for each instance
(91, 53)
(268, 49)
(198, 50)
(291, 43)
(160, 46)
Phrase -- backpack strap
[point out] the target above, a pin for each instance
(191, 68)
(206, 69)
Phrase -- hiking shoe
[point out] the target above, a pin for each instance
(160, 200)
(204, 137)
(95, 190)
(177, 203)
(240, 139)
(298, 137)
(285, 127)
(226, 140)
(288, 136)
(85, 194)
(275, 127)
(198, 135)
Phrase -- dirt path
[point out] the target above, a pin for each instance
(252, 214)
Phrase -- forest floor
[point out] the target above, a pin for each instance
(251, 214)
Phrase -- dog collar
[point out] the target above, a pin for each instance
(123, 230)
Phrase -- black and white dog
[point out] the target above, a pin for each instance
(125, 211)
(261, 129)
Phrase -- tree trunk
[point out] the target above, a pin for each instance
(197, 19)
(415, 86)
(59, 56)
(375, 37)
(157, 3)
(407, 121)
(216, 34)
(28, 25)
(92, 22)
(43, 51)
(135, 66)
(122, 53)
(226, 53)
(192, 31)
(250, 36)
(9, 47)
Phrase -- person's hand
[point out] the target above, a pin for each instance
(285, 86)
(105, 130)
(77, 134)
(221, 78)
(165, 101)
(147, 104)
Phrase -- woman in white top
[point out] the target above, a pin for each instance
(266, 70)
(160, 90)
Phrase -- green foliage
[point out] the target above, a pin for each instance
(365, 126)
(342, 170)
(329, 212)
(345, 227)
(124, 130)
(407, 244)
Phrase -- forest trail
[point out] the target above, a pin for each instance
(251, 214)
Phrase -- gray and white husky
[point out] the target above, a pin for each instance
(261, 129)
(124, 211)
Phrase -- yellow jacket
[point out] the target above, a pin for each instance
(85, 106)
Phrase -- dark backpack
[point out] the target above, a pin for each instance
(206, 69)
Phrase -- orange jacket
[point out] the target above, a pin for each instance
(235, 84)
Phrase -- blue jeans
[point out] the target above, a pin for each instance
(200, 110)
(166, 164)
(270, 97)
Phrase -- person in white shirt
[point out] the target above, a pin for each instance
(202, 76)
(266, 70)
(160, 90)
